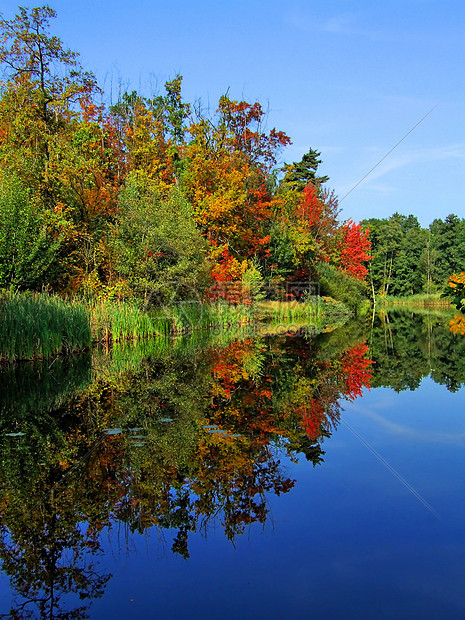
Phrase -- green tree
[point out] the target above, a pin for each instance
(157, 247)
(42, 84)
(299, 174)
(448, 242)
(30, 240)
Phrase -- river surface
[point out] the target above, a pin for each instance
(239, 475)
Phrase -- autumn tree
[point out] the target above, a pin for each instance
(303, 233)
(354, 247)
(42, 83)
(228, 161)
(151, 132)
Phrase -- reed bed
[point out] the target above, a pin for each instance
(40, 325)
(34, 325)
(119, 322)
(112, 321)
(288, 311)
(191, 317)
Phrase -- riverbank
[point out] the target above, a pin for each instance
(40, 326)
(418, 301)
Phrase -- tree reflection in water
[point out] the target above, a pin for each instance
(179, 438)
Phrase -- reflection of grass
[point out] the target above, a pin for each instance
(438, 312)
(126, 356)
(37, 387)
(432, 300)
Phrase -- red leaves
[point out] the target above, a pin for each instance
(356, 370)
(310, 210)
(354, 247)
(313, 417)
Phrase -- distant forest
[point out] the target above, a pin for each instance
(409, 259)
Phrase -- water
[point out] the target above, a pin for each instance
(250, 477)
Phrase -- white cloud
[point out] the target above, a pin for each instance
(434, 436)
(345, 24)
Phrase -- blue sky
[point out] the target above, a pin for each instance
(349, 79)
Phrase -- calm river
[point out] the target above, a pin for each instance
(239, 476)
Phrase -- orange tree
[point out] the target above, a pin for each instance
(227, 168)
(457, 284)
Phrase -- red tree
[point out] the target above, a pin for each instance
(354, 248)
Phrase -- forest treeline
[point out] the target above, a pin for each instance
(119, 200)
(408, 259)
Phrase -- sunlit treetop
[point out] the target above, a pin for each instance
(29, 55)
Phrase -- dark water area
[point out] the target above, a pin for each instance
(239, 476)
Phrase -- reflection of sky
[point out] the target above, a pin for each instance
(349, 541)
(428, 415)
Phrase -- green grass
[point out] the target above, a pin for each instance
(36, 325)
(118, 322)
(190, 317)
(40, 325)
(286, 311)
(112, 321)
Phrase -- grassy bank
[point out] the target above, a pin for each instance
(423, 301)
(40, 326)
(34, 326)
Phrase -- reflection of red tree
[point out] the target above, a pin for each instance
(313, 418)
(320, 410)
(228, 370)
(356, 371)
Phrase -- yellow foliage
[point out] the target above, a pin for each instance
(455, 279)
(457, 325)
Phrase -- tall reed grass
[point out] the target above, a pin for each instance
(118, 322)
(36, 325)
(112, 321)
(191, 317)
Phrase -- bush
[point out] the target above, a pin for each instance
(29, 240)
(340, 286)
(157, 246)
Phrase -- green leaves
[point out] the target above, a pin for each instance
(156, 242)
(29, 240)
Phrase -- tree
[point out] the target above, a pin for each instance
(448, 241)
(151, 132)
(43, 83)
(155, 244)
(304, 232)
(30, 240)
(33, 58)
(228, 163)
(354, 246)
(299, 174)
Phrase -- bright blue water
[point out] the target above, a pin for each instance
(375, 531)
(349, 541)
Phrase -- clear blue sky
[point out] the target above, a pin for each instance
(349, 79)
